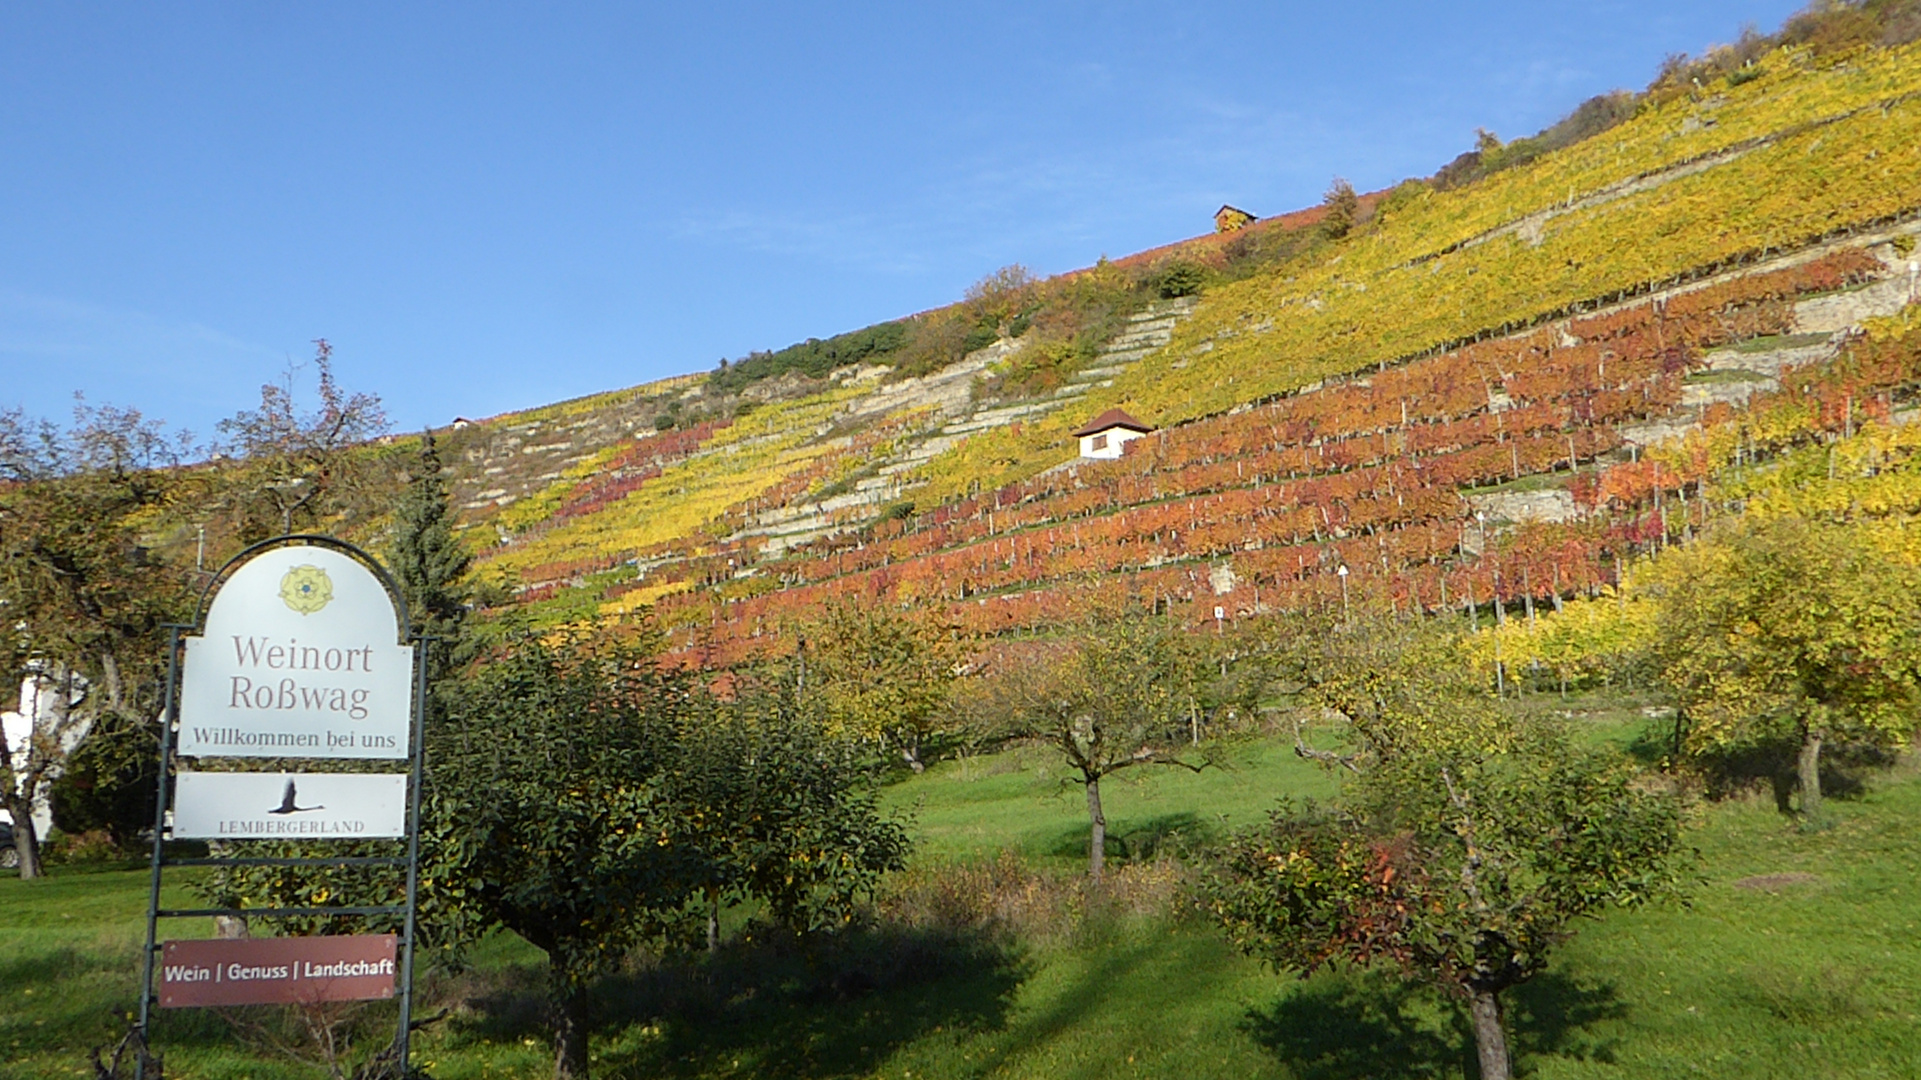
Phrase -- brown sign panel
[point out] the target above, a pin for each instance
(276, 971)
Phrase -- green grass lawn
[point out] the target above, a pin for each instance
(1797, 956)
(1017, 801)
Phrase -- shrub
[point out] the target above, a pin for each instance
(1179, 278)
(1010, 899)
(1590, 118)
(815, 357)
(108, 786)
(77, 849)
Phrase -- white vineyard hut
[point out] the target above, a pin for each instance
(1104, 435)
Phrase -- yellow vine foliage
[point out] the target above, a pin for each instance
(1810, 148)
(580, 406)
(1874, 475)
(645, 596)
(741, 462)
(1874, 488)
(1893, 327)
(541, 505)
(1580, 641)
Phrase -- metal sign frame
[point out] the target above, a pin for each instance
(408, 909)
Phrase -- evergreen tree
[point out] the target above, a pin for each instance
(429, 561)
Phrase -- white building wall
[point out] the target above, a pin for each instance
(1107, 444)
(40, 708)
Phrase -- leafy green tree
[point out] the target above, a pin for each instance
(549, 815)
(591, 799)
(1780, 631)
(109, 779)
(1120, 696)
(83, 592)
(814, 358)
(1180, 278)
(780, 811)
(1460, 853)
(883, 674)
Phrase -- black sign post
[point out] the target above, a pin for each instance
(305, 590)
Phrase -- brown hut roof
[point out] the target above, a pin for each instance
(1112, 418)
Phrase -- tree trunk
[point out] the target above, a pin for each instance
(570, 1024)
(1809, 767)
(1490, 1041)
(1097, 836)
(26, 839)
(910, 753)
(116, 692)
(713, 921)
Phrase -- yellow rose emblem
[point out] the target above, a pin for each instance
(306, 589)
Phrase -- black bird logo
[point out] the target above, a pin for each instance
(287, 806)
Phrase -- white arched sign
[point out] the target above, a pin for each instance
(299, 658)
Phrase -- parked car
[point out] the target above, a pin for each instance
(9, 855)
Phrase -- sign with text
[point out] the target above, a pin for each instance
(298, 659)
(276, 971)
(289, 806)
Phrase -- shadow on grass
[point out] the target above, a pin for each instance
(1349, 1025)
(772, 1006)
(1771, 766)
(1089, 998)
(1131, 839)
(1552, 1015)
(58, 964)
(1654, 745)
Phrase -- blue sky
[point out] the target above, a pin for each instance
(487, 206)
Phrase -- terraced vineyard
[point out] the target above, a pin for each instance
(1260, 510)
(1494, 394)
(1688, 189)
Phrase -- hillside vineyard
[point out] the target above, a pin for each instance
(1490, 395)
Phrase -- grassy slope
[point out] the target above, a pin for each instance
(1817, 978)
